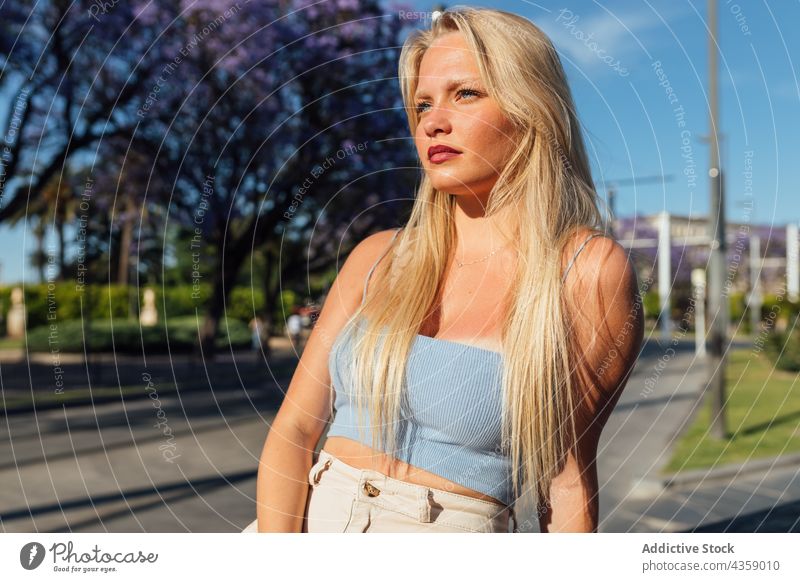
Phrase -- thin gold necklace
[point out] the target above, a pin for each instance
(460, 264)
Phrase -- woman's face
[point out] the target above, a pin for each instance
(455, 110)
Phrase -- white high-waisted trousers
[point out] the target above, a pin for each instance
(344, 498)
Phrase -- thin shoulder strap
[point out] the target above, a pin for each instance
(369, 274)
(580, 248)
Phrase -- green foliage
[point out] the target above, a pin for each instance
(778, 308)
(179, 335)
(289, 300)
(737, 305)
(651, 304)
(739, 312)
(783, 348)
(62, 302)
(5, 304)
(244, 303)
(181, 300)
(762, 406)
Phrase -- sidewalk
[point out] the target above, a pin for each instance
(100, 467)
(767, 500)
(637, 442)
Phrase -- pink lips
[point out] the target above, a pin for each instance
(441, 153)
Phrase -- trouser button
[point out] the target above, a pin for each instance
(371, 490)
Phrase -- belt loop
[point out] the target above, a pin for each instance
(423, 494)
(515, 527)
(319, 471)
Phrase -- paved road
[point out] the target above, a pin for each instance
(183, 461)
(761, 501)
(103, 467)
(636, 445)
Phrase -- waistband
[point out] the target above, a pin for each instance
(380, 489)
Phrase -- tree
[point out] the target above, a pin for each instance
(73, 81)
(268, 128)
(289, 121)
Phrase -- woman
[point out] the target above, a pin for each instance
(468, 371)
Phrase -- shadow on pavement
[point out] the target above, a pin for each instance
(783, 518)
(163, 494)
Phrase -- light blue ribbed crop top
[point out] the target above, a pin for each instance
(451, 418)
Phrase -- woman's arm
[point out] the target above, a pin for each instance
(282, 487)
(608, 327)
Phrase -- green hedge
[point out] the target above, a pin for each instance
(126, 336)
(779, 309)
(737, 305)
(784, 309)
(783, 348)
(651, 304)
(65, 302)
(103, 302)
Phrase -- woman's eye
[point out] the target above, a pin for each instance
(473, 92)
(467, 92)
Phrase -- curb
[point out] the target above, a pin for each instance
(699, 476)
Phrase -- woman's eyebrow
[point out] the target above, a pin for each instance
(451, 84)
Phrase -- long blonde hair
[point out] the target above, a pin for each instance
(549, 181)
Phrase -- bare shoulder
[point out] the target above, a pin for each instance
(606, 315)
(353, 273)
(377, 242)
(369, 250)
(601, 263)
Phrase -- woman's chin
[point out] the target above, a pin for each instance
(450, 186)
(455, 190)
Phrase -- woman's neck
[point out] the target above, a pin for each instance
(478, 234)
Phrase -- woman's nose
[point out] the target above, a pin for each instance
(437, 119)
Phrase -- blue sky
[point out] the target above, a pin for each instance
(632, 129)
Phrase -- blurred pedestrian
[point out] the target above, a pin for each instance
(256, 333)
(294, 325)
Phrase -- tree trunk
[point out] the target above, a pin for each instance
(125, 240)
(224, 278)
(268, 302)
(231, 257)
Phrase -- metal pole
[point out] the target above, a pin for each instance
(756, 298)
(612, 214)
(717, 307)
(665, 276)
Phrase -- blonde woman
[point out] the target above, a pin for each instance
(470, 359)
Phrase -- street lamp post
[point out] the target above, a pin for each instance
(717, 301)
(755, 299)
